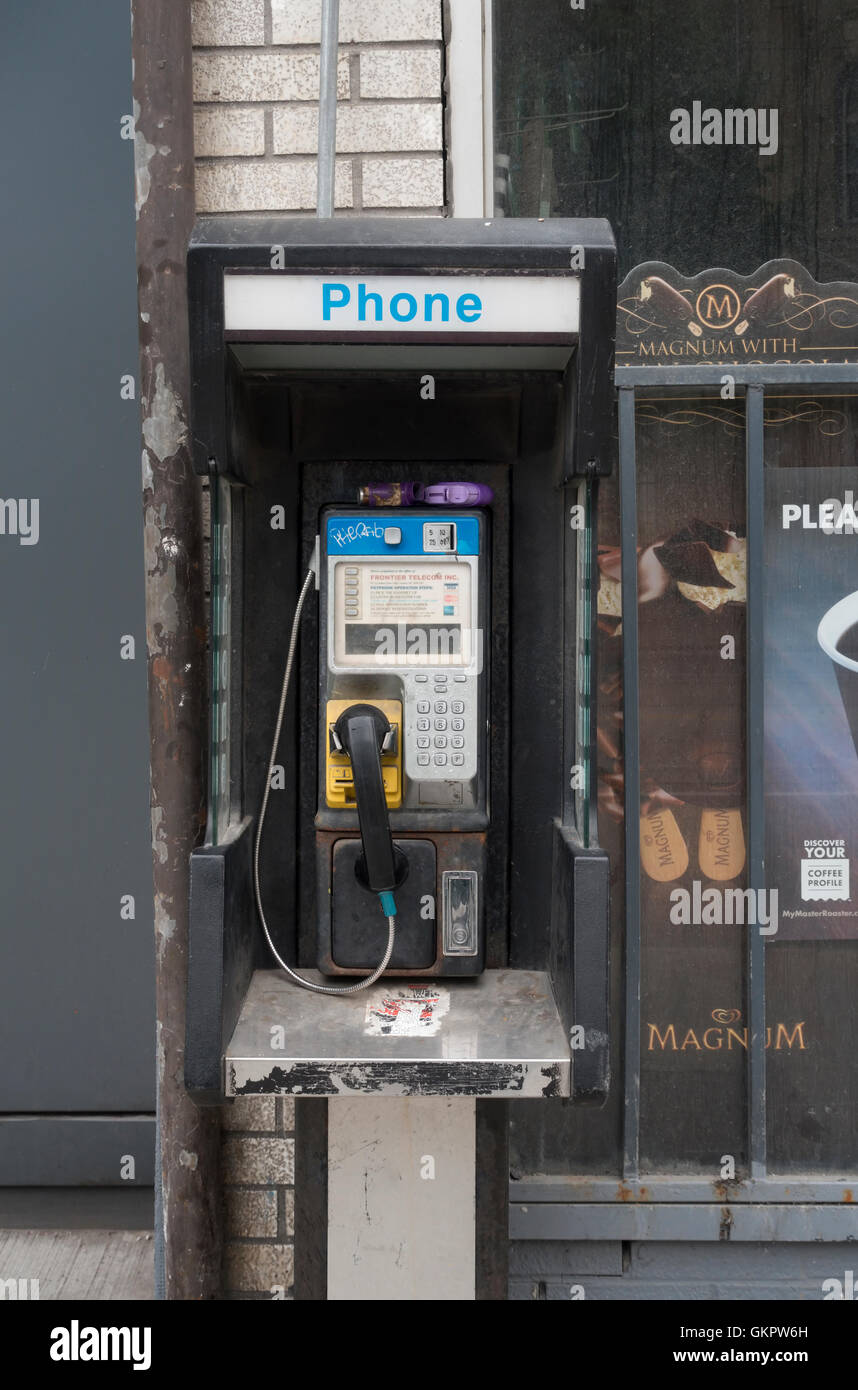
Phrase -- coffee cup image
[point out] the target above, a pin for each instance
(837, 635)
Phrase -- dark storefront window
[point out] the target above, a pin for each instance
(583, 102)
(586, 103)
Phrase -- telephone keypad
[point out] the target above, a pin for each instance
(452, 749)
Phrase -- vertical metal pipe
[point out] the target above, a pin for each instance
(328, 108)
(188, 1235)
(631, 773)
(755, 693)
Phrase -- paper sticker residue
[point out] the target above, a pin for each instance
(409, 1011)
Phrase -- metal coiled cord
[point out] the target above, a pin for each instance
(391, 921)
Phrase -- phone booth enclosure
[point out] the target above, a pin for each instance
(288, 430)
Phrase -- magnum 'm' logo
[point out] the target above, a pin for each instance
(718, 306)
(781, 1037)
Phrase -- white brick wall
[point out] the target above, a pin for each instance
(256, 89)
(256, 85)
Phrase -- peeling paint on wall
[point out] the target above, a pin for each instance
(143, 156)
(165, 929)
(164, 429)
(159, 834)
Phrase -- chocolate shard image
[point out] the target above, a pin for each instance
(714, 536)
(771, 301)
(668, 303)
(691, 562)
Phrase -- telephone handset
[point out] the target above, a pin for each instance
(403, 742)
(362, 733)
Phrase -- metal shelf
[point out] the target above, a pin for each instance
(497, 1036)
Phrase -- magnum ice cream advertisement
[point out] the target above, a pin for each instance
(696, 907)
(778, 314)
(692, 602)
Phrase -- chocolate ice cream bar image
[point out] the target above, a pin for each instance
(770, 303)
(664, 853)
(669, 303)
(721, 846)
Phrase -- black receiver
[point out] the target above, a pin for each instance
(362, 731)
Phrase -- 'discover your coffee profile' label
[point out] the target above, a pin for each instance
(825, 871)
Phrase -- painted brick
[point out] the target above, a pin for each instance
(229, 130)
(262, 77)
(227, 22)
(290, 1212)
(368, 127)
(249, 1112)
(257, 1268)
(249, 1212)
(403, 183)
(263, 1161)
(266, 187)
(287, 1113)
(299, 21)
(406, 72)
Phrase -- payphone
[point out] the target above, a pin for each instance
(403, 733)
(403, 423)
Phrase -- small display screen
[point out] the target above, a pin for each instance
(402, 615)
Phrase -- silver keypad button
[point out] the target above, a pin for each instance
(457, 707)
(440, 706)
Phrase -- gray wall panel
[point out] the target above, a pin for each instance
(76, 980)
